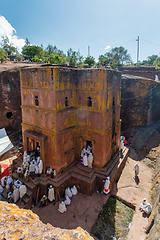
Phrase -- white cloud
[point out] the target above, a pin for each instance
(6, 29)
(108, 48)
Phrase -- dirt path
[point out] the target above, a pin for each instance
(84, 210)
(133, 193)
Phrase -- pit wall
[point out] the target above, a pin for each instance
(69, 128)
(141, 71)
(10, 101)
(140, 101)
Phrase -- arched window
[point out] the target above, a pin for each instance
(36, 101)
(89, 102)
(66, 102)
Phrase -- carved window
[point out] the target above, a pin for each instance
(89, 102)
(36, 101)
(66, 102)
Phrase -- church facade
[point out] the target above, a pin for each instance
(65, 109)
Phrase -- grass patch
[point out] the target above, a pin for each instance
(113, 220)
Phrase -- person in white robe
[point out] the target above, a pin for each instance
(49, 170)
(51, 195)
(67, 201)
(145, 206)
(68, 192)
(4, 181)
(22, 191)
(40, 166)
(74, 190)
(85, 160)
(62, 207)
(9, 183)
(24, 156)
(1, 191)
(17, 183)
(90, 160)
(36, 168)
(136, 169)
(106, 188)
(15, 194)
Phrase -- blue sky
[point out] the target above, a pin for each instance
(83, 23)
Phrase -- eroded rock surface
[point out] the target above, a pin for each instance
(19, 223)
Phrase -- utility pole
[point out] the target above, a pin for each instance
(88, 51)
(137, 49)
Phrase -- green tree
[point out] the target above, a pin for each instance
(2, 55)
(118, 56)
(151, 60)
(8, 47)
(90, 61)
(32, 52)
(74, 57)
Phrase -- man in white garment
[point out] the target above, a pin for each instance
(85, 160)
(15, 194)
(62, 207)
(90, 160)
(74, 190)
(22, 191)
(9, 183)
(67, 201)
(145, 206)
(136, 169)
(68, 192)
(106, 188)
(40, 166)
(51, 195)
(4, 181)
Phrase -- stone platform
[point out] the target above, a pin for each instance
(87, 180)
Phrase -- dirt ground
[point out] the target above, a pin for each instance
(84, 210)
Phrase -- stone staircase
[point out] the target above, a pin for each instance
(87, 180)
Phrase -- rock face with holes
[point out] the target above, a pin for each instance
(10, 100)
(24, 224)
(140, 101)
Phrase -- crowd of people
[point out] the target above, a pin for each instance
(15, 189)
(69, 192)
(87, 156)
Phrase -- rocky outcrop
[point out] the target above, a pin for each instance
(153, 228)
(21, 224)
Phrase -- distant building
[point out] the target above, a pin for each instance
(65, 109)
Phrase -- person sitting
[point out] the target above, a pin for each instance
(10, 197)
(106, 188)
(49, 170)
(44, 201)
(62, 207)
(145, 207)
(68, 192)
(17, 183)
(74, 190)
(67, 200)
